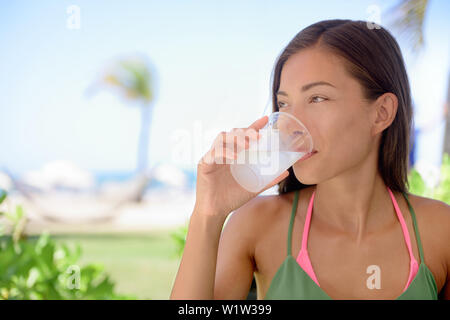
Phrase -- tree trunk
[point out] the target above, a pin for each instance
(144, 140)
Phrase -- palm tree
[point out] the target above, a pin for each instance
(132, 78)
(409, 17)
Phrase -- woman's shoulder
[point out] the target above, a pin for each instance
(265, 214)
(263, 206)
(433, 216)
(433, 219)
(429, 208)
(264, 211)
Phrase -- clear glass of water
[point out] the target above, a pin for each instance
(283, 141)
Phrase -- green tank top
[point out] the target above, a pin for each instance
(292, 282)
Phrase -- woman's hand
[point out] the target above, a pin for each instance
(217, 192)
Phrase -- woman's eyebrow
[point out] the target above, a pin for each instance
(309, 86)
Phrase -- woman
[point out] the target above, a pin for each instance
(342, 225)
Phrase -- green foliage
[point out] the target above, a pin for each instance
(132, 77)
(179, 238)
(441, 192)
(409, 21)
(41, 268)
(138, 81)
(2, 195)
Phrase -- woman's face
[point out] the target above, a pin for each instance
(316, 88)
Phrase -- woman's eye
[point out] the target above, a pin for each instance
(316, 99)
(281, 104)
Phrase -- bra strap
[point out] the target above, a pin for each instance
(291, 223)
(416, 229)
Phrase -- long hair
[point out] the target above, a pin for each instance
(372, 57)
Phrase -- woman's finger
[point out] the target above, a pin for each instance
(219, 156)
(228, 144)
(224, 155)
(237, 140)
(260, 123)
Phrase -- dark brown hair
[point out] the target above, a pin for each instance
(374, 58)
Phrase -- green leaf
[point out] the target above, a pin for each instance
(2, 195)
(19, 212)
(441, 192)
(416, 183)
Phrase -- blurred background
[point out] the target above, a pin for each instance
(107, 106)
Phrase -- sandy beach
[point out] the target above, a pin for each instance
(159, 210)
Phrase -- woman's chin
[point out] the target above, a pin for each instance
(304, 177)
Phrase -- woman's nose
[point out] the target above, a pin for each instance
(295, 126)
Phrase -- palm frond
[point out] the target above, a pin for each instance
(409, 19)
(131, 77)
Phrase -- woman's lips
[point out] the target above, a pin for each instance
(308, 155)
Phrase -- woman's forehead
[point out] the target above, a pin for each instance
(314, 65)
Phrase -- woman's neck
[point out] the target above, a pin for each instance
(355, 203)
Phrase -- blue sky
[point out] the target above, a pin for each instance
(213, 59)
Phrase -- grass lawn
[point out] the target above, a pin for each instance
(143, 265)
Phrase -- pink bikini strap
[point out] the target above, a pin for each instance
(397, 210)
(307, 223)
(403, 224)
(303, 256)
(413, 265)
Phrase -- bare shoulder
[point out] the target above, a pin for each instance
(431, 209)
(260, 214)
(434, 221)
(260, 209)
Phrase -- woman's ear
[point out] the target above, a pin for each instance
(385, 110)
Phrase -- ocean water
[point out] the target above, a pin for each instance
(122, 176)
